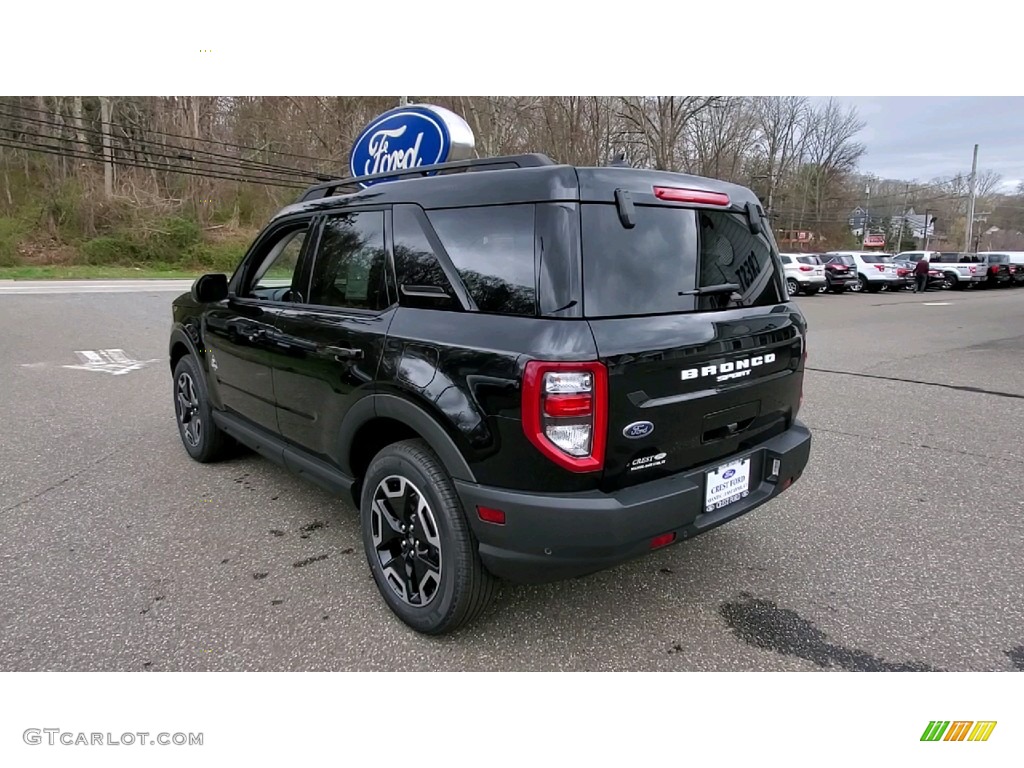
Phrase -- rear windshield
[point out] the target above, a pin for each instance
(997, 258)
(648, 269)
(872, 258)
(808, 259)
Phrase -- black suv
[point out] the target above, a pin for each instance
(513, 368)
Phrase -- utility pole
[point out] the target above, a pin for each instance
(903, 218)
(925, 247)
(867, 217)
(970, 213)
(108, 157)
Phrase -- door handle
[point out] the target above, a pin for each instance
(344, 353)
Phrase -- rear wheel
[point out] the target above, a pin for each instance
(420, 549)
(792, 287)
(950, 281)
(858, 285)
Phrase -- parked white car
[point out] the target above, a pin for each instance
(874, 270)
(802, 277)
(957, 272)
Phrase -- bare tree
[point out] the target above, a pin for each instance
(653, 128)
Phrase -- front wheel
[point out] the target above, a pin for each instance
(420, 549)
(204, 440)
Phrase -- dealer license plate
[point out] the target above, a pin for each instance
(727, 484)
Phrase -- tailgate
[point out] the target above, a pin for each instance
(685, 390)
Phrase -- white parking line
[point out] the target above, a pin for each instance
(936, 303)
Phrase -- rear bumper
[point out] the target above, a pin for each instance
(552, 537)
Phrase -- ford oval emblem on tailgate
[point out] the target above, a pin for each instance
(638, 429)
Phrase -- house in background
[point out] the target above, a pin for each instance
(913, 223)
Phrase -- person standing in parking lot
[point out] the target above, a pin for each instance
(921, 276)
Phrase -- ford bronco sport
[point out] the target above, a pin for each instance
(513, 368)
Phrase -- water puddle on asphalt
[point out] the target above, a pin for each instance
(762, 624)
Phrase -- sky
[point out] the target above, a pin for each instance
(923, 137)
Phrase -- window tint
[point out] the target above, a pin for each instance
(416, 264)
(279, 262)
(871, 258)
(787, 260)
(731, 253)
(644, 270)
(349, 267)
(493, 251)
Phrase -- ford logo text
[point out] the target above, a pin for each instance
(410, 137)
(638, 429)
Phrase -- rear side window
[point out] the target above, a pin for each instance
(492, 249)
(650, 268)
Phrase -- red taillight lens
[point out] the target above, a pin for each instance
(993, 269)
(880, 267)
(565, 412)
(677, 195)
(661, 541)
(806, 269)
(568, 405)
(489, 515)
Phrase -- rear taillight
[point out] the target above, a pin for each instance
(565, 412)
(880, 267)
(677, 195)
(993, 269)
(806, 269)
(973, 270)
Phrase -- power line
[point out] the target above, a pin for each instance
(50, 150)
(177, 135)
(149, 154)
(236, 161)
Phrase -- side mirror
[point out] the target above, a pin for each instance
(209, 289)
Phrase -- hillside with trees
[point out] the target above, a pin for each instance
(183, 183)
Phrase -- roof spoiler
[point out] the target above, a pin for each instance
(331, 186)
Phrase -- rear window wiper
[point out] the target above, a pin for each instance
(708, 290)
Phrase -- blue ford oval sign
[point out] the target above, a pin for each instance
(410, 137)
(638, 429)
(728, 473)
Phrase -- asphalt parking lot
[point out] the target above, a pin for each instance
(901, 547)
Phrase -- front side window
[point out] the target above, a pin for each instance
(277, 265)
(349, 268)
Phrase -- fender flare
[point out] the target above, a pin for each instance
(180, 336)
(402, 410)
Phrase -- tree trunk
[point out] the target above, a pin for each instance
(108, 158)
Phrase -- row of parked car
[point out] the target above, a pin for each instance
(871, 271)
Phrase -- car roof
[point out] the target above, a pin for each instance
(511, 185)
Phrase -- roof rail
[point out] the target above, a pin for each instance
(330, 187)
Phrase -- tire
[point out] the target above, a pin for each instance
(857, 286)
(866, 287)
(407, 485)
(812, 290)
(951, 282)
(203, 440)
(792, 287)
